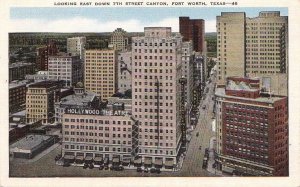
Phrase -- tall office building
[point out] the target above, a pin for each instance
(156, 70)
(254, 47)
(65, 67)
(76, 46)
(119, 39)
(193, 29)
(101, 72)
(42, 55)
(252, 129)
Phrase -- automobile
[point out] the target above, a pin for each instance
(85, 166)
(121, 168)
(66, 164)
(214, 165)
(204, 107)
(206, 150)
(139, 169)
(153, 170)
(146, 170)
(57, 157)
(101, 167)
(91, 166)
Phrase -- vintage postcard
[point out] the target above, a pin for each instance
(185, 93)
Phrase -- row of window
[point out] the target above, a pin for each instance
(82, 147)
(115, 122)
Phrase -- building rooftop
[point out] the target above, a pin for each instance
(44, 84)
(78, 99)
(232, 85)
(30, 141)
(112, 100)
(19, 64)
(263, 99)
(17, 83)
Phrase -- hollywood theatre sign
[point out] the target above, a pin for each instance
(95, 112)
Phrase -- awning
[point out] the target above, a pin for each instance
(138, 161)
(158, 162)
(169, 163)
(88, 158)
(79, 157)
(148, 161)
(127, 160)
(98, 159)
(116, 160)
(69, 157)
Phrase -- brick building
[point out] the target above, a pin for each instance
(252, 129)
(193, 29)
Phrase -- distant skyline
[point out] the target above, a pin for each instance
(25, 19)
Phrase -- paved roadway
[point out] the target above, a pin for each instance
(192, 164)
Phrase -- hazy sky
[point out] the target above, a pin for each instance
(107, 19)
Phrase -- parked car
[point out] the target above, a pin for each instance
(85, 166)
(66, 164)
(155, 170)
(146, 170)
(139, 169)
(101, 167)
(91, 166)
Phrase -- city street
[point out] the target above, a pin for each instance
(192, 165)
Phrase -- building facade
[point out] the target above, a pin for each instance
(93, 134)
(187, 72)
(40, 102)
(119, 39)
(17, 95)
(156, 70)
(18, 70)
(42, 55)
(65, 67)
(253, 47)
(101, 72)
(76, 46)
(124, 71)
(252, 129)
(193, 29)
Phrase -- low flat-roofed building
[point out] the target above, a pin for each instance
(30, 146)
(18, 70)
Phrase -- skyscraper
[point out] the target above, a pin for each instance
(254, 47)
(65, 67)
(101, 72)
(76, 46)
(193, 29)
(156, 69)
(119, 39)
